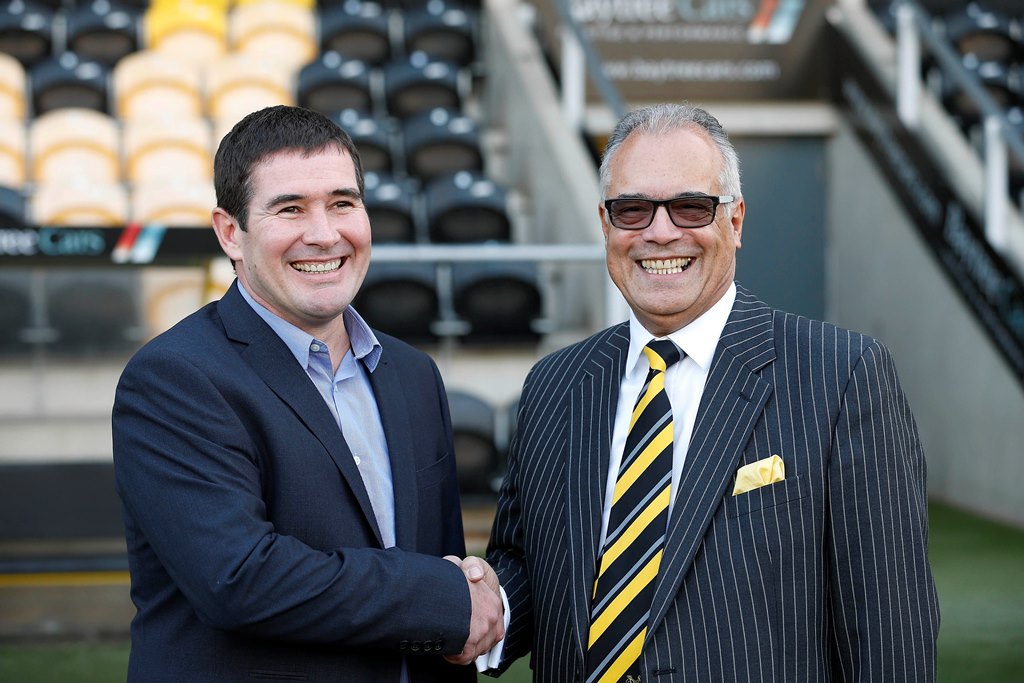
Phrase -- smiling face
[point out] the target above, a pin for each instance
(669, 275)
(306, 248)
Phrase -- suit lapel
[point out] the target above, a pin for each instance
(271, 360)
(399, 436)
(734, 397)
(592, 414)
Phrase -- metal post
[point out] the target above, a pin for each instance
(908, 57)
(996, 184)
(574, 74)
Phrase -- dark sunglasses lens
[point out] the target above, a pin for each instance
(631, 213)
(692, 212)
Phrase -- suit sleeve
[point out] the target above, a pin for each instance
(187, 470)
(884, 614)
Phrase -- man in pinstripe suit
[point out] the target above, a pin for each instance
(796, 541)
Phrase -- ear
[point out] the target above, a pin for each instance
(736, 221)
(228, 233)
(603, 215)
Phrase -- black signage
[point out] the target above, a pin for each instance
(129, 245)
(979, 273)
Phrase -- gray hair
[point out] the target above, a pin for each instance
(659, 119)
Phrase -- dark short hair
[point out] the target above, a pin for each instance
(266, 132)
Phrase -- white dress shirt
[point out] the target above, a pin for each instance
(684, 384)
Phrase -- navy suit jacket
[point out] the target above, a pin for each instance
(821, 577)
(253, 548)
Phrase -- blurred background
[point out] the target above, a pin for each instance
(882, 152)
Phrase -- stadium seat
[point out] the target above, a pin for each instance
(357, 30)
(333, 83)
(13, 82)
(240, 84)
(989, 35)
(466, 207)
(151, 84)
(75, 143)
(12, 206)
(13, 145)
(15, 311)
(103, 30)
(442, 30)
(473, 433)
(284, 31)
(67, 80)
(174, 202)
(997, 79)
(500, 301)
(93, 312)
(190, 30)
(373, 135)
(391, 206)
(440, 142)
(80, 202)
(421, 83)
(26, 30)
(400, 299)
(165, 149)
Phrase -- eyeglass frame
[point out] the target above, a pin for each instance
(716, 201)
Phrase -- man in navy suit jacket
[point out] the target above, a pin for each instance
(287, 478)
(795, 544)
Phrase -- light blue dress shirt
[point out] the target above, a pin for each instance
(349, 396)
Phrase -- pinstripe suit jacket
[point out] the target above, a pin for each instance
(823, 576)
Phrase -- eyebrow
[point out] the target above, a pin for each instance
(348, 192)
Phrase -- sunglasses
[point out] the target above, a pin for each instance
(689, 211)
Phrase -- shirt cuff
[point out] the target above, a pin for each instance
(492, 658)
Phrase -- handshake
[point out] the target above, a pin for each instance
(487, 623)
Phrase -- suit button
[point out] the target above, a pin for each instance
(439, 645)
(404, 645)
(415, 647)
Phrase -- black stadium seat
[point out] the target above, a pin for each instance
(500, 301)
(391, 204)
(26, 30)
(473, 431)
(466, 207)
(400, 299)
(103, 30)
(421, 83)
(374, 137)
(440, 142)
(333, 82)
(67, 80)
(356, 30)
(445, 31)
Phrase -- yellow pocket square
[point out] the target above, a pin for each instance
(758, 474)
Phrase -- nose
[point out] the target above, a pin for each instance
(661, 230)
(320, 231)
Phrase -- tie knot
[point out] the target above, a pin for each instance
(661, 354)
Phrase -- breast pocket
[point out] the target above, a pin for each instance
(772, 495)
(435, 473)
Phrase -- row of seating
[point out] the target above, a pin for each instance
(201, 31)
(462, 207)
(148, 85)
(988, 35)
(95, 311)
(81, 142)
(481, 432)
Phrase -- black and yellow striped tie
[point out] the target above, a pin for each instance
(628, 565)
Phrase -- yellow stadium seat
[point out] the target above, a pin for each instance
(149, 84)
(240, 84)
(282, 30)
(178, 148)
(75, 142)
(13, 142)
(180, 203)
(12, 88)
(191, 31)
(79, 202)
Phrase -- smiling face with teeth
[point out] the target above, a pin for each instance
(670, 275)
(306, 246)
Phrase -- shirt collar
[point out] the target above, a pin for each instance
(698, 340)
(362, 339)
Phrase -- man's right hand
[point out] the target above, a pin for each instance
(486, 625)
